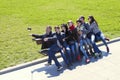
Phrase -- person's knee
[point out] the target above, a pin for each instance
(102, 35)
(93, 38)
(67, 48)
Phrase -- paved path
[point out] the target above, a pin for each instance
(107, 68)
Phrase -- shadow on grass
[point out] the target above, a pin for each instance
(51, 71)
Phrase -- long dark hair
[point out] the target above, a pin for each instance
(92, 20)
(65, 26)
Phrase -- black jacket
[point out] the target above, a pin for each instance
(48, 43)
(71, 36)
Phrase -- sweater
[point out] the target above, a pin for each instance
(94, 28)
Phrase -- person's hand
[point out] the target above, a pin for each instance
(45, 39)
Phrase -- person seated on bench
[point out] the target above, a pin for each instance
(45, 44)
(65, 50)
(98, 35)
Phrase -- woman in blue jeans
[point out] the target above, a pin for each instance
(80, 29)
(70, 41)
(97, 34)
(86, 41)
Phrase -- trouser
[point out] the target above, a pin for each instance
(95, 47)
(67, 55)
(88, 45)
(77, 49)
(82, 49)
(100, 36)
(73, 51)
(51, 54)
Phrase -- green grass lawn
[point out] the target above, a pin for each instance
(16, 46)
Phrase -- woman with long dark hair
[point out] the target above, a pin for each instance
(64, 28)
(94, 28)
(70, 39)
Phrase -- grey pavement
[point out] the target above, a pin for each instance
(106, 68)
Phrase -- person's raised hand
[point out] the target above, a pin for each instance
(45, 39)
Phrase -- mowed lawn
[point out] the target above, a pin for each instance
(16, 46)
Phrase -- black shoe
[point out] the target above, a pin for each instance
(107, 50)
(68, 65)
(93, 54)
(100, 54)
(96, 55)
(59, 68)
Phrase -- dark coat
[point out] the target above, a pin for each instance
(71, 36)
(48, 43)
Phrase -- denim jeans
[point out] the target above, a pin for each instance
(51, 54)
(67, 55)
(99, 36)
(73, 51)
(64, 57)
(95, 47)
(77, 49)
(82, 49)
(88, 45)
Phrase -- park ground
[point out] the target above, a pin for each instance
(16, 46)
(105, 68)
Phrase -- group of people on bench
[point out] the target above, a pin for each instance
(73, 42)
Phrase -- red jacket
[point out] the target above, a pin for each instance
(72, 28)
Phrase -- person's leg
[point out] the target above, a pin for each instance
(54, 49)
(103, 40)
(55, 59)
(84, 52)
(49, 57)
(95, 47)
(64, 57)
(86, 46)
(77, 51)
(82, 49)
(68, 54)
(89, 46)
(59, 66)
(77, 48)
(72, 47)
